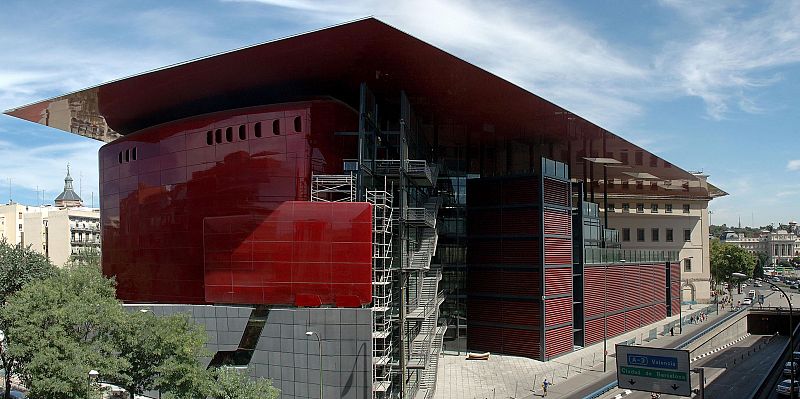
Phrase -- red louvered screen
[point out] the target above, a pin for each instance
(557, 221)
(558, 341)
(556, 192)
(558, 311)
(505, 266)
(557, 251)
(558, 281)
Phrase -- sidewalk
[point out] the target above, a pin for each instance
(514, 377)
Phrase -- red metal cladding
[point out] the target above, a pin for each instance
(521, 342)
(558, 311)
(158, 185)
(520, 283)
(675, 280)
(633, 319)
(616, 324)
(594, 331)
(594, 291)
(558, 281)
(661, 283)
(520, 251)
(485, 251)
(506, 312)
(558, 341)
(504, 340)
(518, 191)
(485, 338)
(484, 222)
(303, 253)
(557, 221)
(617, 287)
(556, 192)
(633, 278)
(519, 221)
(557, 251)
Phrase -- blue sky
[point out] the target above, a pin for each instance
(709, 86)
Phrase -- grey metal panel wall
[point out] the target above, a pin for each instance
(286, 355)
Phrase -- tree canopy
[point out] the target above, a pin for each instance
(61, 323)
(60, 328)
(727, 259)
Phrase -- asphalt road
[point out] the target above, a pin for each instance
(589, 389)
(724, 379)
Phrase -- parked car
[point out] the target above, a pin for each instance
(796, 357)
(757, 285)
(775, 288)
(14, 394)
(747, 302)
(783, 388)
(787, 368)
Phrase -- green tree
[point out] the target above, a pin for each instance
(18, 266)
(234, 384)
(85, 256)
(758, 270)
(162, 352)
(727, 259)
(61, 327)
(763, 258)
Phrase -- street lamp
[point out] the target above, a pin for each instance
(319, 341)
(605, 315)
(791, 326)
(7, 381)
(92, 375)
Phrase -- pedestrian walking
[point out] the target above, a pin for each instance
(672, 331)
(545, 385)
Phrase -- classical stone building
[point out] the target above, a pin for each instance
(58, 231)
(676, 223)
(780, 245)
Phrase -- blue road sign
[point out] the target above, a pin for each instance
(659, 362)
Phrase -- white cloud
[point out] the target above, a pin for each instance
(793, 165)
(44, 167)
(732, 56)
(534, 45)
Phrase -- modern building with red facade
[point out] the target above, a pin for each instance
(363, 185)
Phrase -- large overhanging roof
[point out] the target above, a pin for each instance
(333, 62)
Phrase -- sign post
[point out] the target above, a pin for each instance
(654, 370)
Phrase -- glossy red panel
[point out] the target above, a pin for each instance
(155, 240)
(292, 269)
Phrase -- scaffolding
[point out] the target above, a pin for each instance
(342, 188)
(382, 319)
(406, 335)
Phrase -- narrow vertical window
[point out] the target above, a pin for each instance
(258, 129)
(218, 135)
(120, 157)
(229, 134)
(127, 155)
(133, 154)
(209, 137)
(242, 133)
(276, 127)
(297, 124)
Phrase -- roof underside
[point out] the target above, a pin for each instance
(332, 63)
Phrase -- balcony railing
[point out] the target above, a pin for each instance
(616, 255)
